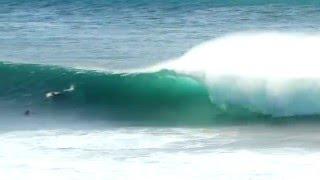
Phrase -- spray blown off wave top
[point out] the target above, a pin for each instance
(242, 76)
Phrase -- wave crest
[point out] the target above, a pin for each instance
(273, 73)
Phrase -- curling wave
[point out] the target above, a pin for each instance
(238, 78)
(272, 73)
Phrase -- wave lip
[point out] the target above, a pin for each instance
(273, 73)
(253, 55)
(238, 78)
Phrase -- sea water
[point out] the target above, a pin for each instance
(160, 89)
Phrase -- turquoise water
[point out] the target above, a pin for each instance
(145, 60)
(170, 89)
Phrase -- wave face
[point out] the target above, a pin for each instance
(154, 96)
(270, 73)
(163, 96)
(238, 78)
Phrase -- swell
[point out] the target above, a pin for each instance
(238, 78)
(157, 97)
(146, 98)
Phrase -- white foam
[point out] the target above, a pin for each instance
(273, 73)
(253, 55)
(161, 153)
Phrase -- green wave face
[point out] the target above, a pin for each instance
(156, 98)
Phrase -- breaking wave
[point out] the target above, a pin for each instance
(238, 78)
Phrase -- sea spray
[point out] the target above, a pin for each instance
(266, 75)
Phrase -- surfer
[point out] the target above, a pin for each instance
(27, 112)
(54, 94)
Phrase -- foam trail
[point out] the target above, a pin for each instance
(274, 73)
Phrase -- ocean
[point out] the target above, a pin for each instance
(170, 89)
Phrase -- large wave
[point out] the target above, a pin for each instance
(272, 73)
(238, 78)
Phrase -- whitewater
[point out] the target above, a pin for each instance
(267, 76)
(162, 121)
(273, 73)
(166, 89)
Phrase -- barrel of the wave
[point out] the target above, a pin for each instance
(273, 74)
(163, 97)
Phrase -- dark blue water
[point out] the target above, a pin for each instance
(260, 126)
(126, 34)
